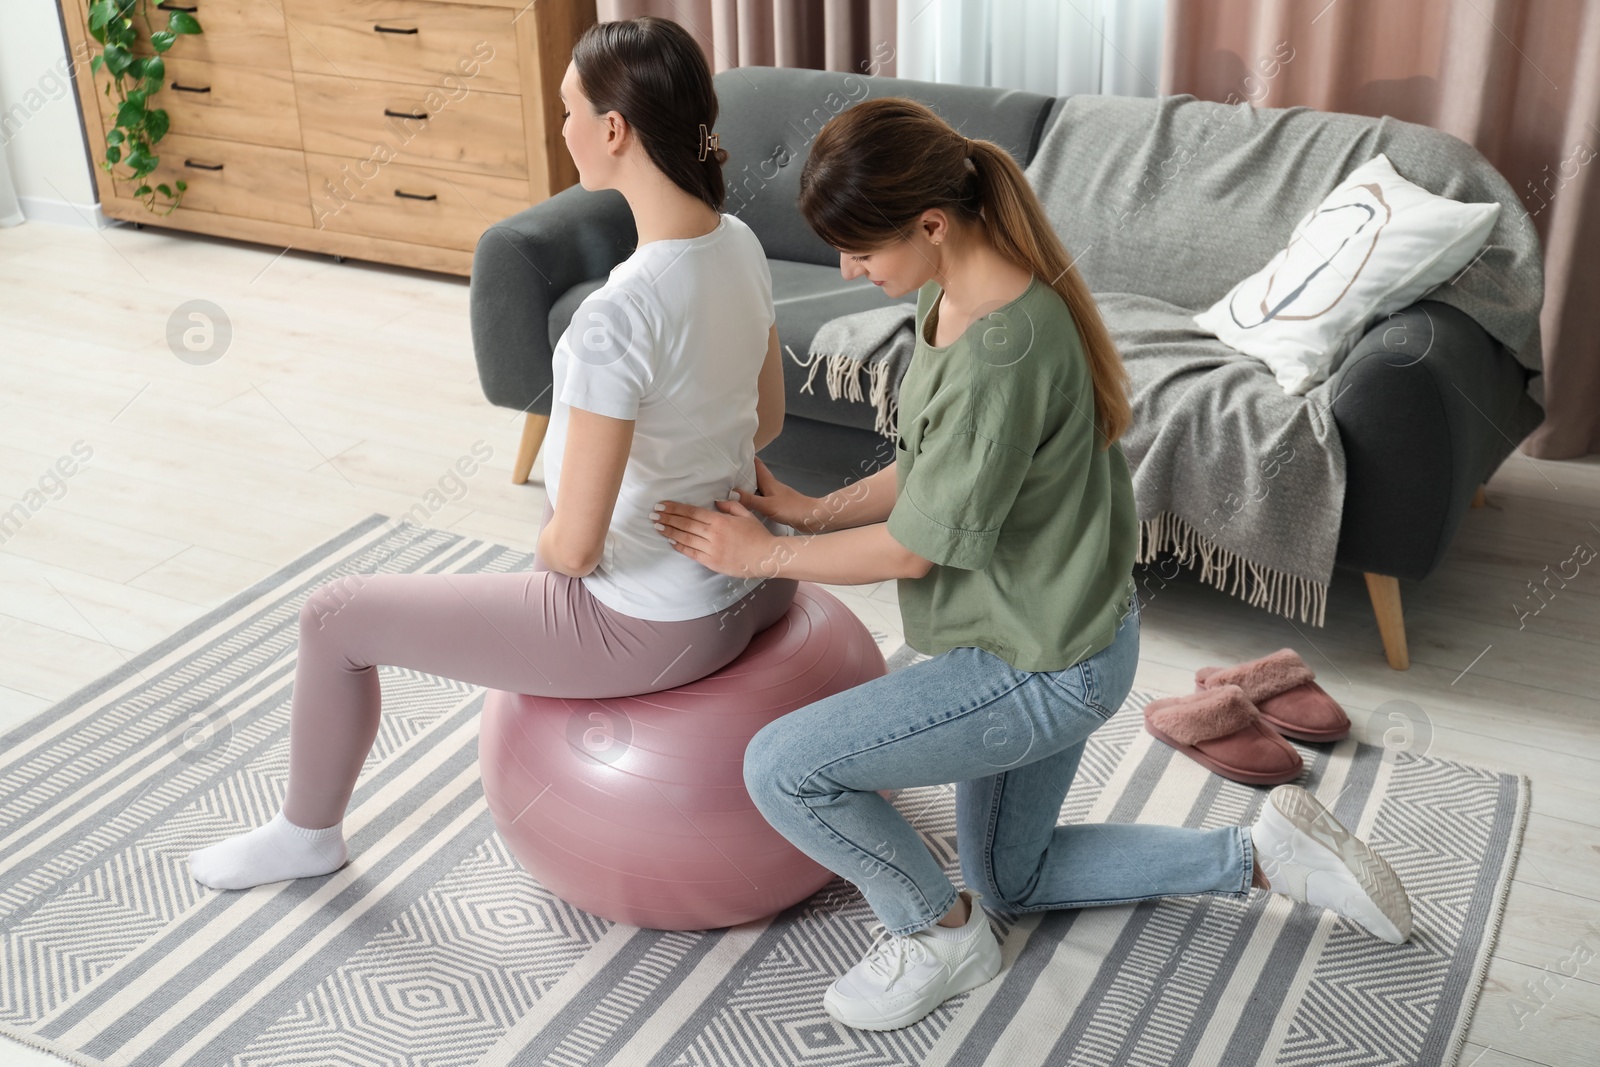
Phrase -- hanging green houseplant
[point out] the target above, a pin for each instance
(131, 140)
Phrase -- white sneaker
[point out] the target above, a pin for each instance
(902, 979)
(1306, 854)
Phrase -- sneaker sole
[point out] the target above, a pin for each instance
(1370, 871)
(978, 970)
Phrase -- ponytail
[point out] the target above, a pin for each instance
(1021, 232)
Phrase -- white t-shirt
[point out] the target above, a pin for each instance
(674, 340)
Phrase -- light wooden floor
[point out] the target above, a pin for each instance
(350, 389)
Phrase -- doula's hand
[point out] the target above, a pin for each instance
(729, 538)
(781, 502)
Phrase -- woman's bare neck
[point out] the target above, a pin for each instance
(978, 283)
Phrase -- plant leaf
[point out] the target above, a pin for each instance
(117, 58)
(155, 71)
(164, 189)
(142, 190)
(114, 137)
(157, 124)
(182, 185)
(183, 22)
(131, 112)
(162, 40)
(113, 154)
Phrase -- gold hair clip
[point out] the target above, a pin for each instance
(708, 141)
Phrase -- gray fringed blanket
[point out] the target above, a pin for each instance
(880, 342)
(1166, 203)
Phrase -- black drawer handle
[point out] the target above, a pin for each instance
(191, 88)
(168, 5)
(416, 196)
(392, 29)
(202, 166)
(405, 114)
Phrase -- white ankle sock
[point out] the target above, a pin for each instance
(951, 933)
(956, 933)
(272, 853)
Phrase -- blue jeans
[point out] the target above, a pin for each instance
(1010, 740)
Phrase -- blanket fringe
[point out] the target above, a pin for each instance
(844, 379)
(1262, 587)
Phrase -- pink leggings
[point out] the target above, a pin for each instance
(536, 632)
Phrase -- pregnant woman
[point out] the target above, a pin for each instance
(1008, 518)
(665, 384)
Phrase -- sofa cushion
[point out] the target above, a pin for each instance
(769, 116)
(1374, 245)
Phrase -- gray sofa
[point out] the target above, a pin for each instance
(1420, 436)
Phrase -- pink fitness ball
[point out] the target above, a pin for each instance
(635, 809)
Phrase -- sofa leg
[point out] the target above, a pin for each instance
(533, 428)
(1478, 498)
(1385, 593)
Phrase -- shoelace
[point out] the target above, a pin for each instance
(888, 954)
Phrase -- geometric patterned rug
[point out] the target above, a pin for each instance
(433, 946)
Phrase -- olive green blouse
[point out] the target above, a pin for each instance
(1032, 529)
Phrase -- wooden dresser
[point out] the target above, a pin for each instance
(388, 130)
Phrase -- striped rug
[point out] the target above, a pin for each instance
(433, 946)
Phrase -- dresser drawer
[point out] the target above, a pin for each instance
(423, 205)
(449, 125)
(254, 104)
(412, 41)
(232, 178)
(241, 33)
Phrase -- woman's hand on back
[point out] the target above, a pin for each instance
(728, 538)
(781, 502)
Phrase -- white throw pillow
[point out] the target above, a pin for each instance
(1375, 245)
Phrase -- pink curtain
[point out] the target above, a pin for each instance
(843, 35)
(1517, 79)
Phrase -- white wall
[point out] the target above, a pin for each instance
(39, 127)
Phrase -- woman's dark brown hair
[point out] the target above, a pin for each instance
(876, 167)
(653, 73)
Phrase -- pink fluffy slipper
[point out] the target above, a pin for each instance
(1280, 685)
(1219, 728)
